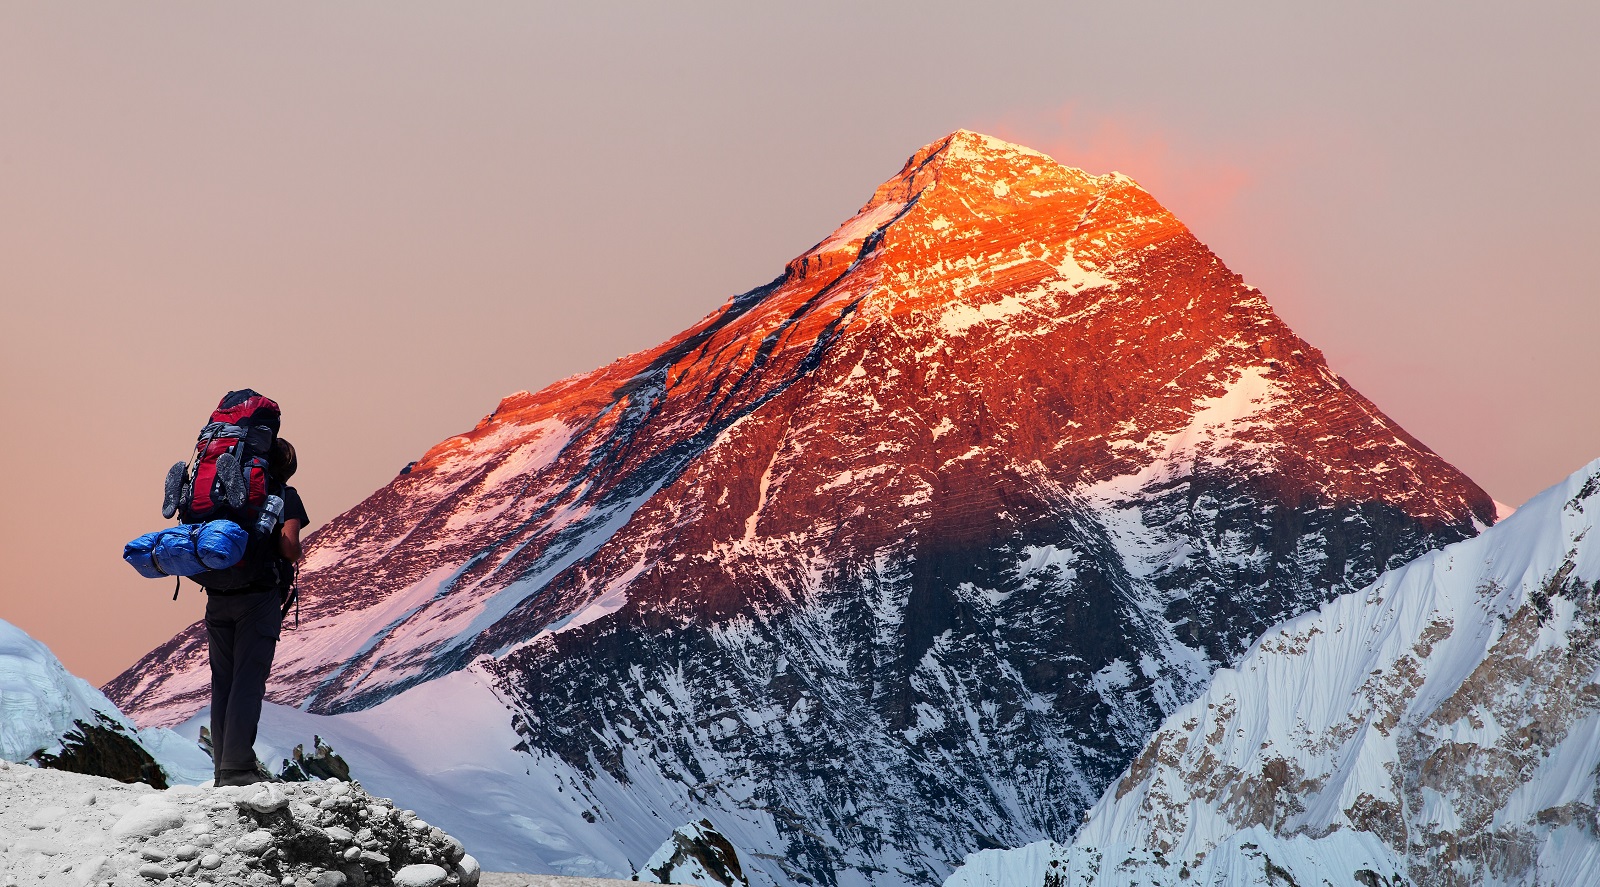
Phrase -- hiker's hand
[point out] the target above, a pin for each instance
(289, 541)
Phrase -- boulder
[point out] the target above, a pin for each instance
(420, 875)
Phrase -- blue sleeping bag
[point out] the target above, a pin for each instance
(187, 550)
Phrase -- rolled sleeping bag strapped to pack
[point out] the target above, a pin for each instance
(187, 550)
(140, 553)
(220, 544)
(175, 554)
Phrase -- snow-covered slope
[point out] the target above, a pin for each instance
(901, 555)
(1440, 728)
(47, 711)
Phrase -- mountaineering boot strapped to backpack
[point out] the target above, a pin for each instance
(221, 497)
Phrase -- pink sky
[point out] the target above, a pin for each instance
(389, 215)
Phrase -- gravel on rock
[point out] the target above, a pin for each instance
(77, 829)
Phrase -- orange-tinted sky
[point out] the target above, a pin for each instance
(388, 215)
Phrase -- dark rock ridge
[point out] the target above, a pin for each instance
(103, 748)
(695, 854)
(901, 555)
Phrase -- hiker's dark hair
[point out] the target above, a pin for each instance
(282, 462)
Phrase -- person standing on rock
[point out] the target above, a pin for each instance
(242, 626)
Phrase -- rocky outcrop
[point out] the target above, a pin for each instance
(695, 854)
(901, 555)
(329, 834)
(322, 763)
(103, 748)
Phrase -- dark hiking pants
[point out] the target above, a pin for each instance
(243, 631)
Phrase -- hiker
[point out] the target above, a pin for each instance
(239, 539)
(242, 625)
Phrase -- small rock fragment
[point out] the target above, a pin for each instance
(340, 836)
(468, 871)
(147, 820)
(45, 817)
(97, 869)
(153, 872)
(254, 843)
(269, 800)
(423, 875)
(154, 854)
(41, 846)
(211, 861)
(329, 879)
(372, 857)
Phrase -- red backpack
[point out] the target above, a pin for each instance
(227, 478)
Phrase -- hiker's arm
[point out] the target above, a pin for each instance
(289, 542)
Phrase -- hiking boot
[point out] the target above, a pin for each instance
(240, 777)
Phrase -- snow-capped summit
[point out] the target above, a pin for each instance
(897, 556)
(1438, 728)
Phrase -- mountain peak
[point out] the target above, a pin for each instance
(970, 191)
(1011, 442)
(964, 145)
(986, 167)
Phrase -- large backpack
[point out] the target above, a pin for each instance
(227, 479)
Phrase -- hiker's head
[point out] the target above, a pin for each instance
(282, 462)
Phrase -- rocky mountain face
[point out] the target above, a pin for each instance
(899, 556)
(1440, 728)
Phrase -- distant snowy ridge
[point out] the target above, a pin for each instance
(1440, 728)
(41, 702)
